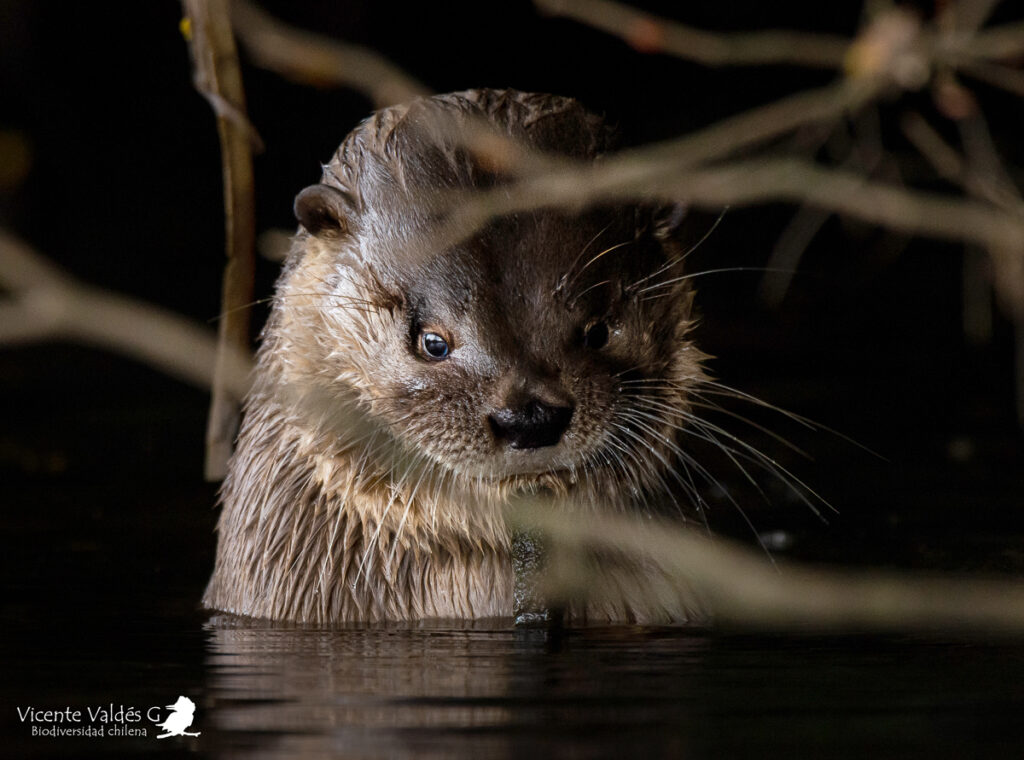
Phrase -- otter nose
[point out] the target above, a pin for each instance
(532, 425)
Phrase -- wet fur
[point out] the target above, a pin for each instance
(402, 518)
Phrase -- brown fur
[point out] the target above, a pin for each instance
(326, 518)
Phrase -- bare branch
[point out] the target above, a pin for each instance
(741, 588)
(651, 34)
(889, 34)
(218, 76)
(633, 172)
(47, 304)
(748, 182)
(1003, 77)
(864, 155)
(309, 58)
(999, 43)
(850, 193)
(794, 240)
(982, 175)
(947, 163)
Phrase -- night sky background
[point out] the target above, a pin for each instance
(124, 190)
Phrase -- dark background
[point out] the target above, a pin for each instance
(106, 534)
(101, 458)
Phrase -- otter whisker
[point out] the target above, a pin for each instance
(409, 500)
(595, 258)
(708, 386)
(631, 288)
(368, 453)
(563, 280)
(688, 488)
(621, 448)
(337, 297)
(686, 458)
(718, 388)
(711, 406)
(709, 439)
(632, 417)
(583, 292)
(780, 439)
(771, 466)
(711, 480)
(709, 428)
(571, 301)
(375, 537)
(626, 371)
(368, 448)
(693, 275)
(242, 307)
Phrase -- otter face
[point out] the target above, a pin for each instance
(545, 349)
(514, 356)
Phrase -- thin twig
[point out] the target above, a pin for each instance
(998, 43)
(309, 58)
(956, 39)
(747, 182)
(218, 76)
(640, 172)
(951, 166)
(997, 75)
(944, 159)
(739, 587)
(863, 154)
(916, 212)
(982, 174)
(48, 304)
(972, 14)
(984, 161)
(789, 248)
(651, 34)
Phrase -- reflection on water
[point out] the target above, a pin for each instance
(441, 689)
(492, 691)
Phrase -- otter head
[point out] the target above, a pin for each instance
(546, 348)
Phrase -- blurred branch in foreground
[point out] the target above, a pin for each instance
(740, 588)
(312, 59)
(648, 33)
(45, 303)
(953, 40)
(218, 77)
(749, 182)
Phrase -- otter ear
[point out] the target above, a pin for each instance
(323, 210)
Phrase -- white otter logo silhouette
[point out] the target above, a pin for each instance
(180, 719)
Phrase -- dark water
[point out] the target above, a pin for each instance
(605, 693)
(99, 608)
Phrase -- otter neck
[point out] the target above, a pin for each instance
(322, 533)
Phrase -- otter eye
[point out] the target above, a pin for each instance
(434, 346)
(596, 336)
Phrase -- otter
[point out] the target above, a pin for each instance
(548, 351)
